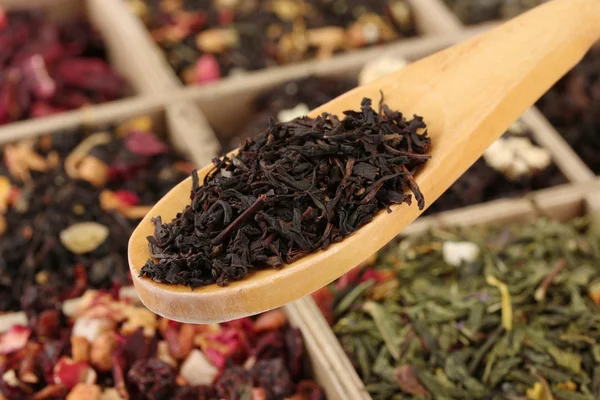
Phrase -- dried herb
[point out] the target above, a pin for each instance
(477, 11)
(47, 68)
(526, 167)
(573, 107)
(206, 40)
(115, 350)
(491, 312)
(296, 188)
(70, 201)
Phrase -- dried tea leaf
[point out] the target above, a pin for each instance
(385, 325)
(84, 237)
(566, 359)
(408, 381)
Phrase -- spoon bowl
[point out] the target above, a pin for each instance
(468, 95)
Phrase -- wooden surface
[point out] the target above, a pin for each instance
(469, 95)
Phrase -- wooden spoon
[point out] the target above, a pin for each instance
(468, 94)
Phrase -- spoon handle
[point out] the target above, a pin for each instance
(494, 77)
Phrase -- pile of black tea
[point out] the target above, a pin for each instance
(573, 107)
(205, 40)
(512, 167)
(491, 312)
(288, 101)
(69, 202)
(478, 11)
(297, 188)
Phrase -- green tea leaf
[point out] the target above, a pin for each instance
(385, 325)
(566, 359)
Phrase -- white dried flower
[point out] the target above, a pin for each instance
(293, 113)
(455, 253)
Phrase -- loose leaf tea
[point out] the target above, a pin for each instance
(477, 11)
(206, 40)
(69, 202)
(47, 68)
(492, 312)
(112, 349)
(297, 188)
(573, 107)
(512, 167)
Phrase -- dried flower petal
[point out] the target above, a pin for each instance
(144, 143)
(70, 373)
(15, 339)
(127, 197)
(207, 69)
(84, 237)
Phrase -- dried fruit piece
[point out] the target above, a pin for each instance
(139, 317)
(84, 391)
(217, 40)
(92, 328)
(15, 339)
(102, 351)
(5, 191)
(80, 348)
(197, 370)
(84, 237)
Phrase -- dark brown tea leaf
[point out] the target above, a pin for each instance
(297, 188)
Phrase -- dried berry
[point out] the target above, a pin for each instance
(151, 379)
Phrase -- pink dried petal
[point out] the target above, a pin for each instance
(216, 358)
(3, 19)
(91, 74)
(70, 373)
(40, 109)
(15, 339)
(127, 197)
(35, 70)
(207, 69)
(144, 143)
(347, 279)
(324, 299)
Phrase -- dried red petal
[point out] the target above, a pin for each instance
(2, 17)
(377, 276)
(70, 373)
(80, 284)
(34, 69)
(348, 278)
(144, 144)
(127, 197)
(15, 339)
(217, 359)
(47, 324)
(207, 69)
(40, 109)
(324, 299)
